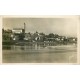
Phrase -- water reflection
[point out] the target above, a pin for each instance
(24, 47)
(35, 46)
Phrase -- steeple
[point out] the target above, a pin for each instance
(24, 27)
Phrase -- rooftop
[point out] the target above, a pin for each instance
(17, 28)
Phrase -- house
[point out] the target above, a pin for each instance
(28, 37)
(18, 33)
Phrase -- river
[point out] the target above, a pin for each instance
(37, 53)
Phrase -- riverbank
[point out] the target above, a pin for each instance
(7, 42)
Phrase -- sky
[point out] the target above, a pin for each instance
(61, 26)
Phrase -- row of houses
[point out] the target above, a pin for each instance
(18, 34)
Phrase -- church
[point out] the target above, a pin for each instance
(18, 33)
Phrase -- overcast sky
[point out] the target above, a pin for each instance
(61, 26)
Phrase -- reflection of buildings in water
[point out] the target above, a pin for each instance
(39, 46)
(36, 46)
(14, 47)
(25, 47)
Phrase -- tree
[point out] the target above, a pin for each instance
(51, 35)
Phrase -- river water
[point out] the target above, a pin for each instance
(36, 53)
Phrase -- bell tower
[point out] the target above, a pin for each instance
(24, 27)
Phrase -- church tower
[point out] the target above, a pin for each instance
(24, 27)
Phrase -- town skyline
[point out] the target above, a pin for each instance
(61, 26)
